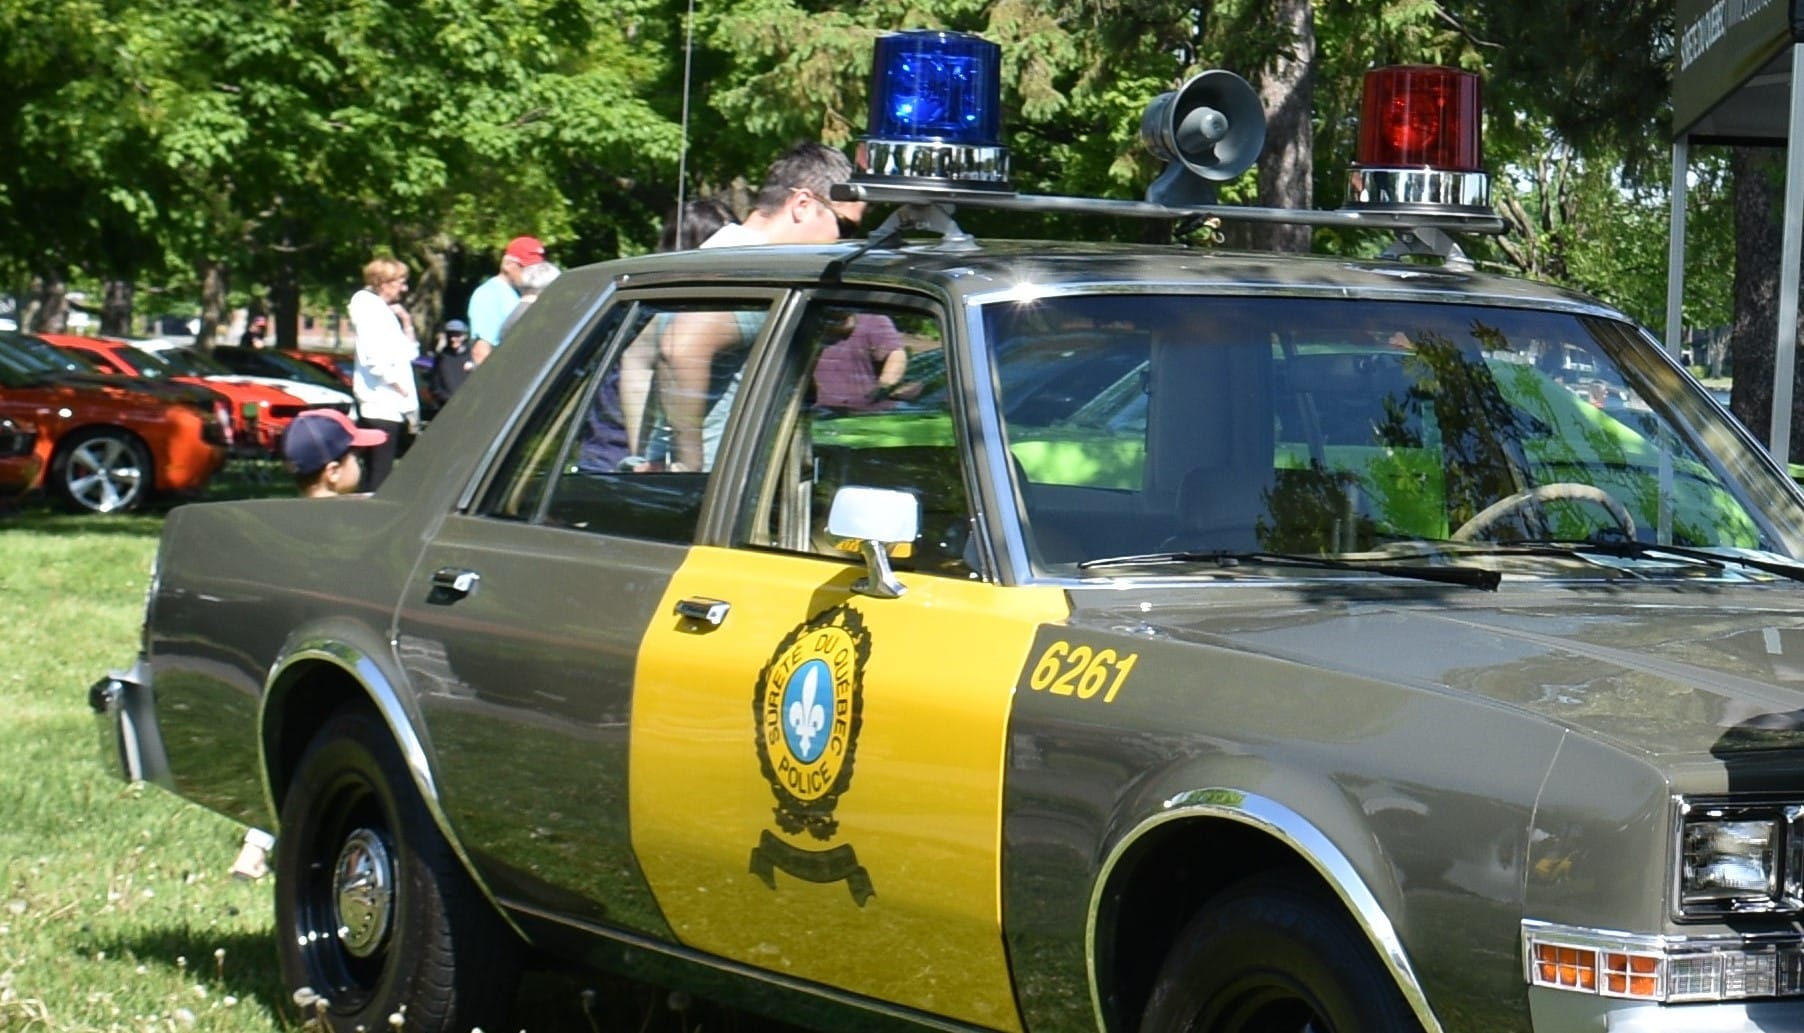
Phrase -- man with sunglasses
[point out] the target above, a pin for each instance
(700, 353)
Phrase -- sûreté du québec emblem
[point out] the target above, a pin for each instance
(807, 711)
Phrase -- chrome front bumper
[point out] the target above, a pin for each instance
(131, 746)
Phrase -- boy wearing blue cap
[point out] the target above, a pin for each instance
(319, 450)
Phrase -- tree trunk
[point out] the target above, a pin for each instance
(1287, 163)
(1757, 172)
(214, 282)
(427, 300)
(285, 296)
(48, 311)
(116, 309)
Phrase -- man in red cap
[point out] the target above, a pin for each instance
(496, 298)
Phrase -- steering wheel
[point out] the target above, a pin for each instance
(1569, 491)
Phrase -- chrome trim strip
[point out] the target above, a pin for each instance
(375, 684)
(1231, 289)
(1462, 219)
(1294, 831)
(909, 161)
(996, 491)
(740, 970)
(1417, 190)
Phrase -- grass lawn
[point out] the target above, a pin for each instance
(116, 909)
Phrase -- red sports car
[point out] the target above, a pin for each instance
(339, 364)
(260, 412)
(19, 462)
(109, 444)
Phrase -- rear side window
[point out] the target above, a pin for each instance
(623, 441)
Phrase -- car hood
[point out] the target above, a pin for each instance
(310, 394)
(162, 390)
(241, 391)
(1661, 672)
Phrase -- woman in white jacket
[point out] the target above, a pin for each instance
(387, 399)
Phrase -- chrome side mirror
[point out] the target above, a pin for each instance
(875, 519)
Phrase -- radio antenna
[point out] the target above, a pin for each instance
(683, 147)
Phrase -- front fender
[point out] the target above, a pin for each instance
(1369, 900)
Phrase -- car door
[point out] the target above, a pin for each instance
(520, 630)
(816, 772)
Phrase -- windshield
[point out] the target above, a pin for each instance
(1209, 424)
(263, 363)
(40, 356)
(174, 362)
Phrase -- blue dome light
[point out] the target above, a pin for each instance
(936, 110)
(936, 86)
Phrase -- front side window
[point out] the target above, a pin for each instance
(864, 403)
(1231, 425)
(623, 442)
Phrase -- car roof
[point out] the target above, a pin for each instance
(996, 267)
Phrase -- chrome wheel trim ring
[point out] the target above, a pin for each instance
(363, 893)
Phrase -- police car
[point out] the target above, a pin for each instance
(1175, 639)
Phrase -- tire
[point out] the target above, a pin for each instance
(1271, 956)
(103, 470)
(431, 948)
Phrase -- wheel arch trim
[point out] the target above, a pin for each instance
(380, 691)
(1305, 840)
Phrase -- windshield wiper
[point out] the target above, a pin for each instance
(1634, 550)
(1468, 577)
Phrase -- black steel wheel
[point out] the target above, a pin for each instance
(375, 915)
(103, 470)
(1273, 956)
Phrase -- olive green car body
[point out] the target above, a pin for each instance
(1448, 763)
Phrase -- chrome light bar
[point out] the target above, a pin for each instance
(1486, 222)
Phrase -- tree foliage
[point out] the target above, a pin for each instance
(269, 150)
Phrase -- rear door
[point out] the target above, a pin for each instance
(521, 628)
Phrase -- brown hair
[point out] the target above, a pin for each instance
(809, 166)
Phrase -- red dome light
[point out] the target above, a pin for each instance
(1418, 115)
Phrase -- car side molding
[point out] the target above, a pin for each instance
(1303, 839)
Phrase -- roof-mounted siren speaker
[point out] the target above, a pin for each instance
(1419, 142)
(1209, 130)
(936, 113)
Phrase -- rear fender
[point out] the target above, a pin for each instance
(333, 661)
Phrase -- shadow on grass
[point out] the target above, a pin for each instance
(248, 969)
(238, 479)
(550, 1000)
(560, 1000)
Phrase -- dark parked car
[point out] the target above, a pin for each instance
(1184, 640)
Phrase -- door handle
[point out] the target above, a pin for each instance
(451, 581)
(709, 611)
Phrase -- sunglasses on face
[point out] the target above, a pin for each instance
(848, 226)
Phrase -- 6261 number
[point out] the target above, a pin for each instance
(1068, 670)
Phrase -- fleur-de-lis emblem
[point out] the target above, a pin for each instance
(807, 710)
(806, 717)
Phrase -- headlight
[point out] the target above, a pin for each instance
(1739, 858)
